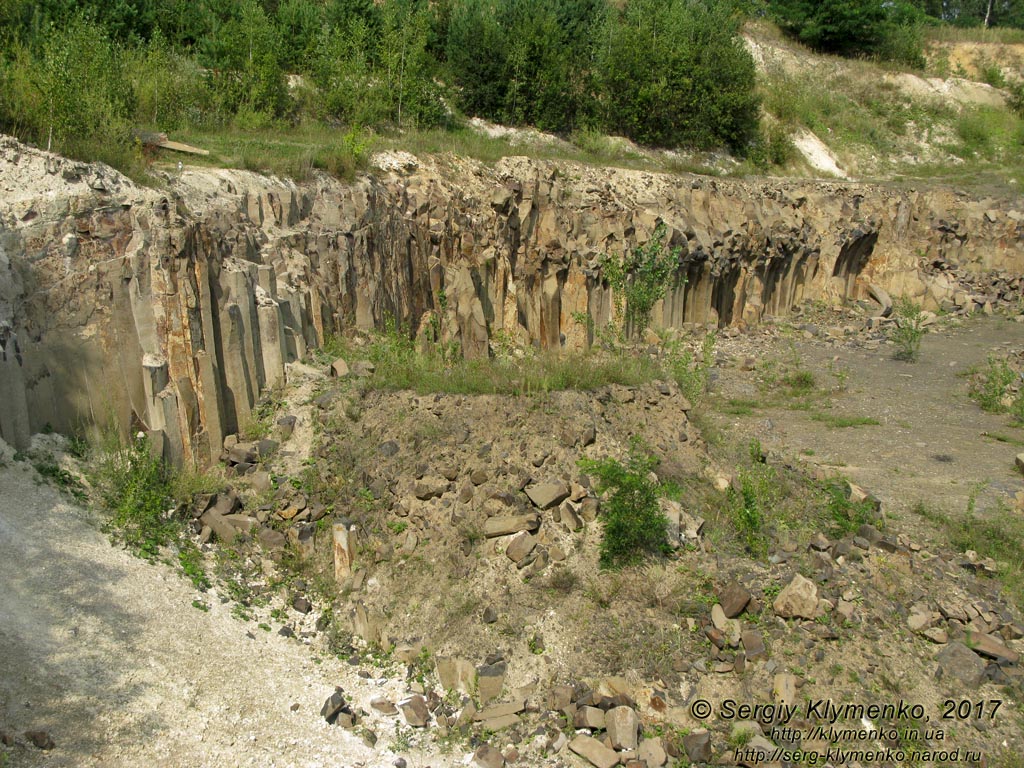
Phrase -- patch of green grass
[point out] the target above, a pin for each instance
(191, 561)
(692, 372)
(634, 525)
(739, 406)
(990, 386)
(1001, 438)
(49, 469)
(833, 421)
(847, 516)
(399, 365)
(997, 533)
(947, 33)
(136, 488)
(799, 382)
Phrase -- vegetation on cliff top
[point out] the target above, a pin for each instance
(80, 76)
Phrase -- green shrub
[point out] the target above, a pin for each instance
(847, 516)
(634, 525)
(675, 72)
(887, 30)
(908, 331)
(1015, 98)
(69, 94)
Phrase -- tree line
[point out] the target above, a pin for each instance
(79, 75)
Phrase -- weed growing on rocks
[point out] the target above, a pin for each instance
(692, 373)
(990, 387)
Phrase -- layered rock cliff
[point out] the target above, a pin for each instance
(171, 309)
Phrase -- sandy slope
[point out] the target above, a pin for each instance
(107, 653)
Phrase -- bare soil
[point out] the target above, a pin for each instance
(932, 445)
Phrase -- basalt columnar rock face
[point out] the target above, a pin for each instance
(169, 310)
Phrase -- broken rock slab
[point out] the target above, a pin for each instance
(592, 750)
(987, 645)
(508, 524)
(414, 709)
(547, 495)
(799, 599)
(960, 666)
(622, 724)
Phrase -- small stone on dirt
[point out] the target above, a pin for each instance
(799, 599)
(41, 739)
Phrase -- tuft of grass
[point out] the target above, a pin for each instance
(847, 516)
(136, 488)
(996, 533)
(1001, 438)
(989, 387)
(833, 421)
(739, 406)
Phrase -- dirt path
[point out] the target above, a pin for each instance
(107, 653)
(928, 446)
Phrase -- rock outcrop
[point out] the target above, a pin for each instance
(169, 310)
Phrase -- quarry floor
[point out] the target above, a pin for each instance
(108, 653)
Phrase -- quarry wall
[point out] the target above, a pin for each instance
(170, 309)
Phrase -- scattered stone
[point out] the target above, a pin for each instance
(487, 756)
(960, 665)
(430, 488)
(507, 524)
(383, 705)
(733, 599)
(936, 635)
(388, 448)
(334, 705)
(987, 645)
(594, 751)
(490, 615)
(698, 746)
(753, 645)
(415, 710)
(784, 689)
(547, 495)
(622, 724)
(41, 739)
(651, 753)
(490, 679)
(286, 426)
(302, 605)
(589, 717)
(520, 546)
(559, 697)
(799, 599)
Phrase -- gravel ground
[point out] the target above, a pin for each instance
(107, 653)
